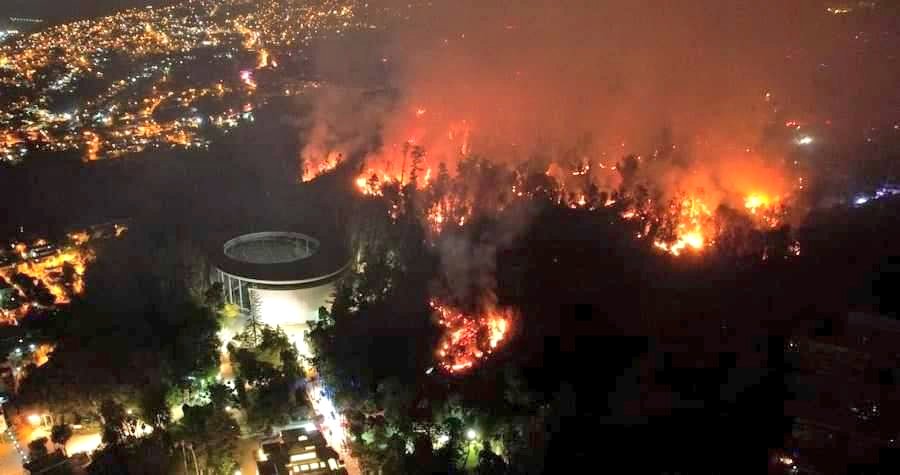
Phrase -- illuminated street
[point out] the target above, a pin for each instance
(332, 426)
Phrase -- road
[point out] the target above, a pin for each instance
(333, 427)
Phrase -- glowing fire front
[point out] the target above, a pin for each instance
(469, 339)
(748, 193)
(316, 168)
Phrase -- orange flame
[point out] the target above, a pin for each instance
(692, 220)
(469, 339)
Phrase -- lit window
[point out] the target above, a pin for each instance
(304, 467)
(302, 438)
(303, 456)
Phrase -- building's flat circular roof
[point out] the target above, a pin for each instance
(279, 258)
(271, 247)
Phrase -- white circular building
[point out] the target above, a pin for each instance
(279, 278)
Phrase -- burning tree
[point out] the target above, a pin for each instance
(470, 337)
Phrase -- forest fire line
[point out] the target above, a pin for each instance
(676, 215)
(470, 339)
(685, 223)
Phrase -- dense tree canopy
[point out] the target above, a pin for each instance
(268, 377)
(133, 337)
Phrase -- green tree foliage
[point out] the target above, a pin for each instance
(212, 434)
(214, 297)
(154, 405)
(151, 455)
(118, 424)
(60, 434)
(137, 333)
(269, 365)
(490, 463)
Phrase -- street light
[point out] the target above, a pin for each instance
(471, 435)
(34, 419)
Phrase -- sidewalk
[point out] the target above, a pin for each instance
(10, 460)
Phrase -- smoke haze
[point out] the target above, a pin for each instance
(590, 80)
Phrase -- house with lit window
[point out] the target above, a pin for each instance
(300, 450)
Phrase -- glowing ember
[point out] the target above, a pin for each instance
(469, 339)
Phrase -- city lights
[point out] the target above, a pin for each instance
(162, 45)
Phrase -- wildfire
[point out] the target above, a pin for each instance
(691, 219)
(469, 339)
(435, 217)
(315, 168)
(372, 182)
(79, 237)
(444, 212)
(767, 211)
(755, 202)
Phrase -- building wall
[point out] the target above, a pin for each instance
(290, 307)
(291, 310)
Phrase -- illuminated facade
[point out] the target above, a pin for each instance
(279, 278)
